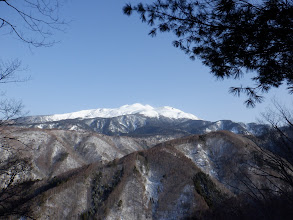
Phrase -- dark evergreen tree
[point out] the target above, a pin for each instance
(231, 37)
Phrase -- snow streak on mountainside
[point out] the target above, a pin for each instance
(137, 108)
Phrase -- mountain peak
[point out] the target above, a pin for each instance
(136, 108)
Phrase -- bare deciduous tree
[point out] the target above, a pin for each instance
(14, 189)
(274, 160)
(10, 108)
(281, 120)
(31, 21)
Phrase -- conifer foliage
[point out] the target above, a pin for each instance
(232, 37)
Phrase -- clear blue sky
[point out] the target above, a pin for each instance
(106, 59)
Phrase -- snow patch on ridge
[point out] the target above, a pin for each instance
(200, 156)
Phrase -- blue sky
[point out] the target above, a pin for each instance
(106, 59)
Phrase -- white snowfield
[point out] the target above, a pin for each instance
(137, 108)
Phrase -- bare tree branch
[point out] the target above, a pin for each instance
(37, 20)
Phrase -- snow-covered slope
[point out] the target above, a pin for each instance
(137, 120)
(137, 108)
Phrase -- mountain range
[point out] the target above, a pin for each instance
(138, 120)
(138, 162)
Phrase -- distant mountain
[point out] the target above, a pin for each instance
(135, 109)
(138, 120)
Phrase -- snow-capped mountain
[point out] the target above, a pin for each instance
(137, 120)
(137, 109)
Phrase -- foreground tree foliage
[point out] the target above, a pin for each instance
(231, 37)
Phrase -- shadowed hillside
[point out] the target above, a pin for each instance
(84, 175)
